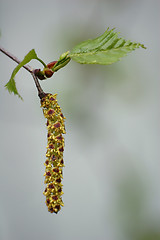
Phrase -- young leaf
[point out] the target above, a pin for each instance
(62, 61)
(31, 55)
(11, 85)
(106, 49)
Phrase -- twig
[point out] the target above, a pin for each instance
(27, 67)
(41, 93)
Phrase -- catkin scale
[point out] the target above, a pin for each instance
(54, 154)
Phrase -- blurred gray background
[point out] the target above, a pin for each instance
(111, 174)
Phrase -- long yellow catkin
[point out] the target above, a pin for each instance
(55, 147)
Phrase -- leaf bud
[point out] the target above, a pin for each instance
(51, 64)
(64, 55)
(39, 74)
(48, 72)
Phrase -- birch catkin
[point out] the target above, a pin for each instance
(55, 147)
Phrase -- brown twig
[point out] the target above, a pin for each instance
(41, 93)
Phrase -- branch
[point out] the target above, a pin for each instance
(41, 93)
(27, 67)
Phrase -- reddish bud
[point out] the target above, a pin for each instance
(39, 74)
(48, 72)
(51, 64)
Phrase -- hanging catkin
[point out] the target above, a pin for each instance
(55, 147)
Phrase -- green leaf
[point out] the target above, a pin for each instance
(31, 55)
(11, 85)
(106, 49)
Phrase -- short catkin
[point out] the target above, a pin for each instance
(55, 147)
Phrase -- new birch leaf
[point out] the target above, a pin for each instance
(11, 85)
(106, 49)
